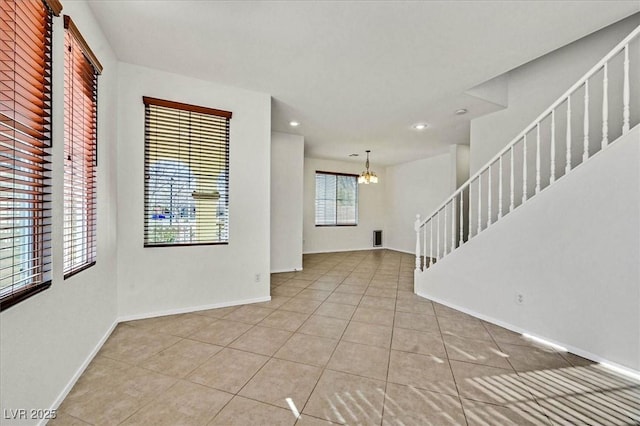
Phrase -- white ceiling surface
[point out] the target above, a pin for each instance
(357, 75)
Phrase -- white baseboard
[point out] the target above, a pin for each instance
(80, 370)
(192, 309)
(401, 251)
(341, 251)
(570, 348)
(279, 271)
(359, 249)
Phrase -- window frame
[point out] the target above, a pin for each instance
(222, 144)
(357, 199)
(80, 192)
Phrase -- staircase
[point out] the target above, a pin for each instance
(470, 252)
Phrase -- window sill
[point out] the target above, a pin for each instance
(78, 270)
(24, 294)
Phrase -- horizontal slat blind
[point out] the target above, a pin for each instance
(336, 199)
(80, 139)
(186, 174)
(25, 136)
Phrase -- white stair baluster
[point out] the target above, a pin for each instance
(444, 232)
(511, 178)
(461, 206)
(567, 168)
(500, 189)
(431, 242)
(424, 245)
(552, 179)
(453, 224)
(585, 154)
(524, 170)
(479, 203)
(417, 228)
(625, 92)
(489, 198)
(537, 158)
(605, 107)
(438, 239)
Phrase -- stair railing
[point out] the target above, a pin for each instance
(560, 139)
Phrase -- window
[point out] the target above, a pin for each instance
(186, 163)
(81, 69)
(336, 199)
(25, 138)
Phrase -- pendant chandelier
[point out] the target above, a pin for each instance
(367, 177)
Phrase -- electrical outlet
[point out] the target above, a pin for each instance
(257, 278)
(519, 298)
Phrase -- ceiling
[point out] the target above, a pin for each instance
(355, 74)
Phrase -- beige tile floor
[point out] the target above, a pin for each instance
(344, 341)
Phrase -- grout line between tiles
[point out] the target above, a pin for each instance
(324, 368)
(386, 383)
(455, 382)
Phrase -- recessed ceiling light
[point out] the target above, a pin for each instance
(461, 111)
(419, 126)
(294, 123)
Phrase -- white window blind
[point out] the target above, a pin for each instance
(336, 199)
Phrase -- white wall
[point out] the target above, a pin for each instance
(572, 251)
(371, 208)
(418, 187)
(157, 280)
(47, 339)
(287, 171)
(459, 157)
(536, 85)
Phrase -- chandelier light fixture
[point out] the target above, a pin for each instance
(367, 177)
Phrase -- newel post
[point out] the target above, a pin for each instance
(417, 228)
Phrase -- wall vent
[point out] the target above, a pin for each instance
(377, 238)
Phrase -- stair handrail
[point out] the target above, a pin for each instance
(617, 49)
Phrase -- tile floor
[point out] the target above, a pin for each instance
(344, 341)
